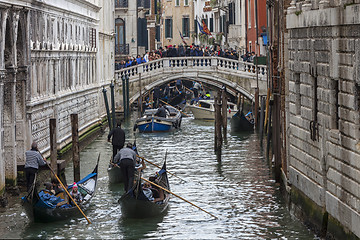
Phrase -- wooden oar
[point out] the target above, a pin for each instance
(174, 107)
(189, 89)
(160, 167)
(177, 196)
(67, 191)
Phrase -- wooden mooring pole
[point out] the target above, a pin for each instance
(53, 146)
(218, 123)
(75, 146)
(113, 115)
(140, 98)
(262, 116)
(107, 108)
(224, 114)
(256, 110)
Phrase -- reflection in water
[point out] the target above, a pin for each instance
(239, 190)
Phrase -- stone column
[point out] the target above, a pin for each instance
(2, 167)
(10, 103)
(9, 127)
(20, 114)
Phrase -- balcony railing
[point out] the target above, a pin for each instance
(121, 3)
(143, 4)
(121, 49)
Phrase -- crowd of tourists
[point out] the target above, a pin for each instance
(178, 51)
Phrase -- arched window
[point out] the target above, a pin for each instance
(120, 40)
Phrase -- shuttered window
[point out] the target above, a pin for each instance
(168, 28)
(186, 27)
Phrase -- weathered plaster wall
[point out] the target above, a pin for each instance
(324, 75)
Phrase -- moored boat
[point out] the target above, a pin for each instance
(151, 123)
(137, 203)
(205, 109)
(42, 206)
(241, 122)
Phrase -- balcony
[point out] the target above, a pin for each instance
(121, 3)
(145, 4)
(122, 49)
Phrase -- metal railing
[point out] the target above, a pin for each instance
(143, 4)
(122, 49)
(121, 3)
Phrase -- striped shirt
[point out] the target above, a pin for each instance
(33, 159)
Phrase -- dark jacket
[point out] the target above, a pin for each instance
(161, 112)
(118, 136)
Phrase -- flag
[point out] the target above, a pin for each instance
(200, 27)
(182, 38)
(205, 28)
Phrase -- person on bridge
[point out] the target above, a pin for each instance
(126, 159)
(118, 138)
(33, 160)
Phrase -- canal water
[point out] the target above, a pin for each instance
(240, 191)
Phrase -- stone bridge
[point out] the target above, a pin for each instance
(238, 76)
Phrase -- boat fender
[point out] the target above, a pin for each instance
(135, 127)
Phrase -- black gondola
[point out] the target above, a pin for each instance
(241, 123)
(115, 174)
(39, 208)
(134, 203)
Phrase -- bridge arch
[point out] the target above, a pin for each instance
(209, 79)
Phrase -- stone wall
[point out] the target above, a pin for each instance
(49, 68)
(324, 105)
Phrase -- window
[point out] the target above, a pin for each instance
(119, 31)
(186, 2)
(195, 27)
(92, 37)
(211, 25)
(334, 109)
(232, 13)
(177, 3)
(186, 27)
(168, 28)
(249, 13)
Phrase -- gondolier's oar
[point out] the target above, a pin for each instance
(177, 196)
(160, 167)
(174, 107)
(189, 89)
(67, 191)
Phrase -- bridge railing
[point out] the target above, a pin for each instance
(198, 63)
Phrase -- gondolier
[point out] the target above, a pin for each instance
(118, 138)
(33, 161)
(126, 158)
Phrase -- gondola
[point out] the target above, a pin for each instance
(115, 174)
(40, 206)
(134, 203)
(241, 122)
(151, 123)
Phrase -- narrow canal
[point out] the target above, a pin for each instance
(240, 191)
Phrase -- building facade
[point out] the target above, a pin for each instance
(49, 68)
(256, 26)
(177, 17)
(132, 29)
(324, 105)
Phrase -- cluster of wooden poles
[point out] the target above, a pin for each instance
(262, 119)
